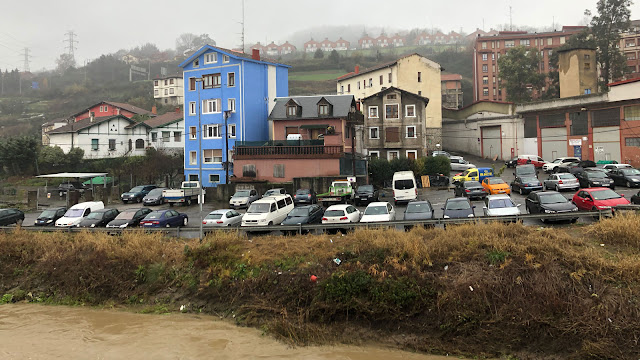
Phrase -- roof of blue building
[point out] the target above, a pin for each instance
(231, 53)
(341, 106)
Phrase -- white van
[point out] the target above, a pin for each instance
(294, 137)
(77, 212)
(404, 186)
(270, 210)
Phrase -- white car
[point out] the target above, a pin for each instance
(77, 212)
(548, 167)
(379, 211)
(460, 164)
(223, 218)
(270, 210)
(609, 167)
(500, 205)
(440, 153)
(339, 214)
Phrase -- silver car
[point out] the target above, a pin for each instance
(500, 205)
(460, 164)
(223, 218)
(243, 198)
(561, 181)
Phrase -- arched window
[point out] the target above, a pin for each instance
(140, 144)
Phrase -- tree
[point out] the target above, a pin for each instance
(611, 21)
(189, 41)
(319, 54)
(334, 57)
(64, 62)
(520, 76)
(581, 40)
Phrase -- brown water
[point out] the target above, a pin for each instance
(29, 331)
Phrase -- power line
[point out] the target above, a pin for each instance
(71, 46)
(26, 55)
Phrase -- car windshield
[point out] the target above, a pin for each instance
(154, 215)
(242, 193)
(630, 171)
(553, 198)
(213, 216)
(472, 184)
(126, 215)
(605, 194)
(457, 205)
(71, 213)
(527, 170)
(403, 184)
(529, 180)
(302, 192)
(299, 212)
(557, 161)
(155, 192)
(500, 203)
(567, 177)
(413, 208)
(496, 181)
(48, 213)
(595, 174)
(136, 189)
(329, 213)
(271, 192)
(367, 188)
(260, 208)
(95, 215)
(376, 210)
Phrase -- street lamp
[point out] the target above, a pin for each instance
(199, 157)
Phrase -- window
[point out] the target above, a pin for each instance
(410, 111)
(341, 89)
(166, 136)
(278, 172)
(193, 158)
(214, 178)
(393, 155)
(193, 177)
(494, 79)
(485, 80)
(210, 81)
(231, 79)
(587, 66)
(231, 105)
(632, 113)
(177, 136)
(212, 156)
(358, 85)
(525, 42)
(225, 58)
(193, 133)
(291, 110)
(155, 82)
(412, 154)
(166, 82)
(171, 81)
(381, 80)
(606, 117)
(484, 44)
(509, 43)
(166, 91)
(485, 92)
(196, 62)
(210, 58)
(374, 133)
(154, 137)
(288, 130)
(542, 66)
(232, 131)
(140, 144)
(348, 88)
(192, 84)
(632, 142)
(631, 56)
(112, 144)
(562, 40)
(374, 154)
(485, 57)
(171, 91)
(156, 92)
(373, 112)
(485, 68)
(192, 108)
(390, 78)
(370, 82)
(411, 132)
(94, 144)
(211, 131)
(549, 41)
(391, 111)
(493, 56)
(323, 109)
(211, 106)
(391, 97)
(419, 76)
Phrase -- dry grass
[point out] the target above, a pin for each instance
(623, 230)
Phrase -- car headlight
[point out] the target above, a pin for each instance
(124, 225)
(603, 207)
(470, 215)
(93, 225)
(574, 209)
(49, 221)
(263, 220)
(635, 180)
(446, 216)
(548, 211)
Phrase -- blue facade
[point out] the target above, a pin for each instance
(257, 84)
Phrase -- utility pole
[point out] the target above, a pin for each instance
(71, 46)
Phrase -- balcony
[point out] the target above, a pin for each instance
(283, 149)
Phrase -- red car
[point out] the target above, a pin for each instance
(531, 159)
(598, 199)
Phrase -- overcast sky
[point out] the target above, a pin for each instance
(105, 27)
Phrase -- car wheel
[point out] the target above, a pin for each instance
(19, 222)
(168, 225)
(270, 223)
(544, 186)
(557, 188)
(188, 202)
(186, 221)
(61, 194)
(521, 191)
(628, 184)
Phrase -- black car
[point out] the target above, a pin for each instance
(128, 218)
(527, 170)
(419, 210)
(11, 216)
(70, 186)
(549, 202)
(635, 199)
(574, 167)
(628, 177)
(526, 184)
(304, 196)
(458, 208)
(511, 163)
(154, 197)
(49, 216)
(99, 218)
(137, 193)
(470, 189)
(306, 214)
(365, 194)
(594, 178)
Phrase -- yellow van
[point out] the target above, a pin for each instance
(474, 174)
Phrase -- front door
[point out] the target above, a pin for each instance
(577, 151)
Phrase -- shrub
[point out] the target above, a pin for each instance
(435, 165)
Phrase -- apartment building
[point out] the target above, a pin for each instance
(168, 90)
(630, 46)
(451, 91)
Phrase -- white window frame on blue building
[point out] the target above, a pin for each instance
(211, 106)
(212, 131)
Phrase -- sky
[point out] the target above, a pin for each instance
(106, 27)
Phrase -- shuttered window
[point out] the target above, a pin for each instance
(530, 127)
(249, 170)
(278, 170)
(552, 120)
(579, 123)
(606, 117)
(392, 134)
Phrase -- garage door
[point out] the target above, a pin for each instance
(606, 143)
(491, 144)
(554, 143)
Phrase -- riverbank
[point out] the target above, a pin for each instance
(481, 290)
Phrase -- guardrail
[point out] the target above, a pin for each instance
(322, 228)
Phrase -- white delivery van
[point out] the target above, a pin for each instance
(269, 210)
(404, 186)
(77, 212)
(294, 137)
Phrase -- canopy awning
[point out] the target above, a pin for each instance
(314, 126)
(72, 175)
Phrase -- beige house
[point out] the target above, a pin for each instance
(578, 72)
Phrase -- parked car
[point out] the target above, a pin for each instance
(470, 189)
(500, 205)
(50, 216)
(129, 218)
(11, 216)
(378, 211)
(457, 208)
(594, 178)
(475, 174)
(99, 218)
(305, 196)
(624, 176)
(495, 186)
(535, 160)
(561, 181)
(440, 153)
(609, 167)
(70, 186)
(460, 164)
(303, 215)
(548, 202)
(77, 212)
(223, 218)
(276, 191)
(154, 197)
(418, 210)
(575, 167)
(137, 193)
(404, 186)
(243, 198)
(550, 166)
(164, 218)
(270, 210)
(526, 184)
(635, 199)
(598, 198)
(365, 194)
(341, 213)
(511, 163)
(526, 170)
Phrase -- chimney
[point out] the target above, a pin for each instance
(154, 110)
(357, 69)
(255, 54)
(92, 116)
(178, 110)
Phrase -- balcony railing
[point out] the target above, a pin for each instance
(286, 152)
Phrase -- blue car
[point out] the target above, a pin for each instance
(164, 218)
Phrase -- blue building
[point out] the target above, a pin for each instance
(218, 83)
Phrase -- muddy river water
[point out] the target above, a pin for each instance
(29, 331)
